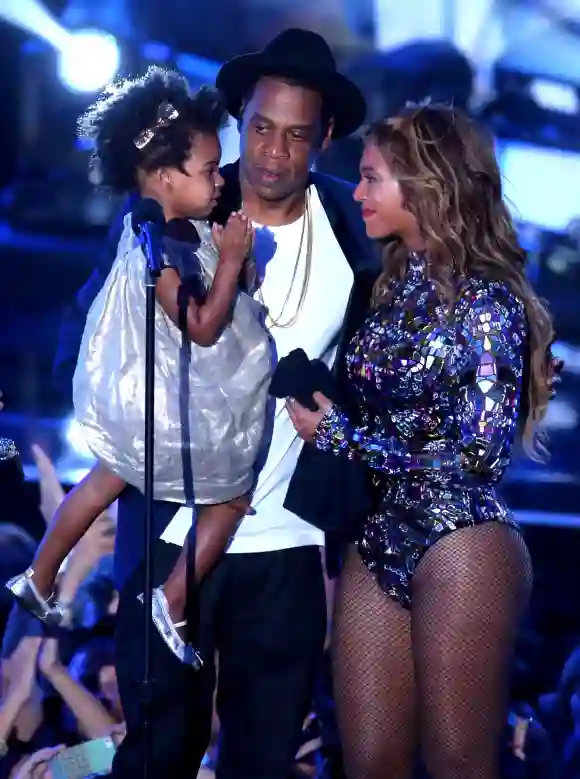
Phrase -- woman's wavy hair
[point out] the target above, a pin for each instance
(451, 184)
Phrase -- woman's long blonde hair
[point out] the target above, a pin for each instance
(450, 182)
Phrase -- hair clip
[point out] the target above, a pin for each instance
(166, 114)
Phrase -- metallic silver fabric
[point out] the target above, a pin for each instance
(227, 383)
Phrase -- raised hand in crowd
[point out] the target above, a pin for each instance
(98, 541)
(93, 720)
(51, 492)
(37, 765)
(19, 710)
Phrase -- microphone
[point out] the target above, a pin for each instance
(147, 222)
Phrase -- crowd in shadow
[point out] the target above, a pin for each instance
(60, 691)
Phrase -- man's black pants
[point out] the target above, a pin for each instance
(265, 615)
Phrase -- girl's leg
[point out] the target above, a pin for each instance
(373, 678)
(81, 507)
(468, 596)
(215, 526)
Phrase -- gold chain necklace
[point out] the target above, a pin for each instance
(306, 233)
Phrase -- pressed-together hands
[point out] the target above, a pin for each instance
(234, 240)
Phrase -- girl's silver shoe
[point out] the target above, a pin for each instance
(168, 630)
(24, 592)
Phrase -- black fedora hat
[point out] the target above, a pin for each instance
(302, 56)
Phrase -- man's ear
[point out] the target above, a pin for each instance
(241, 119)
(327, 137)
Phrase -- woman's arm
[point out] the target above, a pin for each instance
(487, 370)
(479, 360)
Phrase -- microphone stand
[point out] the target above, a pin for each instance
(151, 244)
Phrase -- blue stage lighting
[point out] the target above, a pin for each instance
(89, 61)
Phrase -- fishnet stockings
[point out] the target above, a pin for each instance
(373, 677)
(439, 672)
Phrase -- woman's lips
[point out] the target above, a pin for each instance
(367, 212)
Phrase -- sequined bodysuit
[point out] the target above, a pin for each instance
(438, 393)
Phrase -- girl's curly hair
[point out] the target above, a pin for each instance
(128, 108)
(451, 183)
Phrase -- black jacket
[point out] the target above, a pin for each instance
(313, 493)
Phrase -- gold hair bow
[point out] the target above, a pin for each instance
(165, 115)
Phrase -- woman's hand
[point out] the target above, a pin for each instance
(306, 422)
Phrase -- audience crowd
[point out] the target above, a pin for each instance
(59, 691)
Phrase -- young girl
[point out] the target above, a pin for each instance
(212, 354)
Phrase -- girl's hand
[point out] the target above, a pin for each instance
(306, 422)
(234, 241)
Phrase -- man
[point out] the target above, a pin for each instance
(263, 607)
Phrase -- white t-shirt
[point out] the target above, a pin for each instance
(316, 331)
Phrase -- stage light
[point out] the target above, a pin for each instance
(89, 61)
(75, 441)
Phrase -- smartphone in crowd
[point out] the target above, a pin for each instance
(93, 758)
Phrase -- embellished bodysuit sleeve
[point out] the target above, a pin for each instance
(486, 369)
(478, 360)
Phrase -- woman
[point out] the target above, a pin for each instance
(452, 364)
